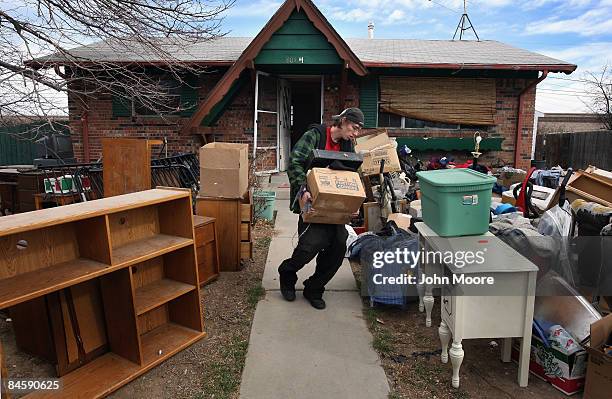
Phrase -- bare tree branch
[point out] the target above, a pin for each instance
(136, 50)
(599, 86)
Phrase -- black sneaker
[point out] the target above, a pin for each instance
(317, 303)
(287, 285)
(289, 295)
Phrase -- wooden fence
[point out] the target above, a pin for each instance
(576, 150)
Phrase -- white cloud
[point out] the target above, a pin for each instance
(354, 15)
(593, 22)
(396, 16)
(589, 56)
(563, 93)
(256, 9)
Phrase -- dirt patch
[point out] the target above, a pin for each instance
(210, 368)
(410, 356)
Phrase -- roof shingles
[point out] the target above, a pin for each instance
(370, 51)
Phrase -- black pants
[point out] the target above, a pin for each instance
(325, 241)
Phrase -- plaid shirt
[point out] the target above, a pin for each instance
(297, 164)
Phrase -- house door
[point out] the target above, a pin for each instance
(306, 104)
(266, 124)
(284, 125)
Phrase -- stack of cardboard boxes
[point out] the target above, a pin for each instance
(376, 148)
(224, 195)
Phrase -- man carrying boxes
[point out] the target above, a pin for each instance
(324, 240)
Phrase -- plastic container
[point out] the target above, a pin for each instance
(456, 202)
(263, 204)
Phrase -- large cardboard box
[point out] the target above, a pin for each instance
(375, 149)
(338, 191)
(562, 370)
(369, 143)
(401, 220)
(224, 170)
(506, 179)
(599, 368)
(372, 160)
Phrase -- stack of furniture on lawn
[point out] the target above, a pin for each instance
(224, 195)
(26, 189)
(106, 289)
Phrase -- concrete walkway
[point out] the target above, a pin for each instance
(298, 352)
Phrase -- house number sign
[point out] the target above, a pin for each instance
(294, 60)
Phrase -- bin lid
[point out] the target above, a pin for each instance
(455, 177)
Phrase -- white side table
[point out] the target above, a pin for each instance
(503, 310)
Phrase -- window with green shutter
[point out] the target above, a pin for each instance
(189, 95)
(122, 107)
(368, 100)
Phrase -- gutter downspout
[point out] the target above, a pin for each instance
(85, 132)
(519, 120)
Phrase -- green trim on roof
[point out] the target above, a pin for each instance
(217, 111)
(449, 143)
(298, 42)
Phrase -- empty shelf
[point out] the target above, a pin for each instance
(155, 294)
(147, 248)
(166, 340)
(39, 282)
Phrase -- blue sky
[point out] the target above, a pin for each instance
(576, 31)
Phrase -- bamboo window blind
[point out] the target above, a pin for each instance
(469, 101)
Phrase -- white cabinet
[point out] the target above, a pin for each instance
(471, 306)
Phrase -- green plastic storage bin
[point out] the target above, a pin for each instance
(456, 202)
(264, 204)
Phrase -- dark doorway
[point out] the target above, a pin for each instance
(306, 106)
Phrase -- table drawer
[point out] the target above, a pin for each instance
(246, 250)
(245, 231)
(245, 212)
(204, 234)
(207, 269)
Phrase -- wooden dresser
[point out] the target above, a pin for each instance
(207, 248)
(233, 225)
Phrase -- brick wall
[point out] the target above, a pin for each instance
(236, 124)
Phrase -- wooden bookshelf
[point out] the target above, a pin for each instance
(104, 289)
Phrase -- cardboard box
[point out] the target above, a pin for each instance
(506, 179)
(326, 217)
(372, 160)
(337, 191)
(224, 170)
(369, 143)
(599, 368)
(563, 371)
(401, 220)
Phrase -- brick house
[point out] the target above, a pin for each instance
(264, 91)
(568, 123)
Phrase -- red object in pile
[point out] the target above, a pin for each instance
(359, 229)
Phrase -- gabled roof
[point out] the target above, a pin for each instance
(485, 54)
(248, 55)
(384, 53)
